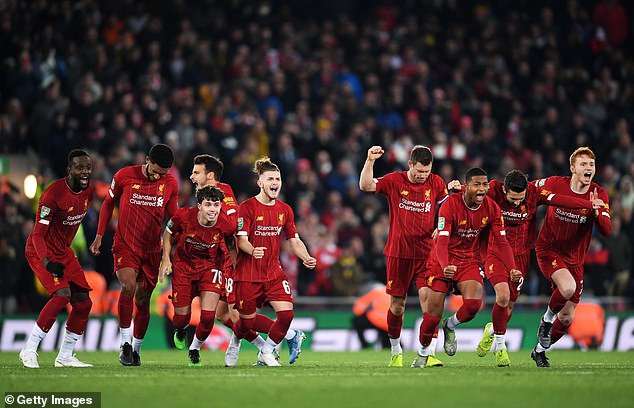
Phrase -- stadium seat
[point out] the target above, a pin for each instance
(587, 327)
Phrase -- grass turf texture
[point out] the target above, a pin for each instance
(353, 379)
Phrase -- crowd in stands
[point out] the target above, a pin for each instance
(497, 84)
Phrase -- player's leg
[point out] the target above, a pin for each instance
(127, 279)
(472, 301)
(420, 280)
(75, 326)
(60, 297)
(399, 274)
(284, 313)
(180, 321)
(141, 319)
(184, 289)
(434, 304)
(208, 303)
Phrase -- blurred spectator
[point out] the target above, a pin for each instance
(619, 247)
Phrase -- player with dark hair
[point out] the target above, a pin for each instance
(562, 245)
(199, 263)
(518, 199)
(259, 277)
(146, 195)
(465, 222)
(61, 209)
(413, 199)
(207, 171)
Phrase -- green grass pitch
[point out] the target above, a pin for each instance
(326, 380)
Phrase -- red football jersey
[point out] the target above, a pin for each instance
(521, 222)
(199, 247)
(568, 231)
(60, 212)
(229, 203)
(142, 206)
(263, 225)
(462, 231)
(412, 209)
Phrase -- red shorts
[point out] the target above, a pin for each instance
(549, 262)
(228, 291)
(400, 274)
(436, 281)
(73, 278)
(186, 287)
(521, 264)
(495, 271)
(260, 292)
(146, 265)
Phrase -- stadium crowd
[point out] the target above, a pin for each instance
(492, 84)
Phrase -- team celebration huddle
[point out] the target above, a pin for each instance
(443, 238)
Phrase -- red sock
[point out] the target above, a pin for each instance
(50, 311)
(557, 301)
(141, 320)
(263, 323)
(435, 336)
(79, 316)
(468, 310)
(394, 325)
(206, 324)
(281, 325)
(243, 326)
(251, 335)
(228, 323)
(558, 331)
(125, 306)
(500, 319)
(180, 321)
(427, 328)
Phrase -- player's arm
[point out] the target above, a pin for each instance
(366, 179)
(173, 227)
(445, 227)
(601, 206)
(247, 247)
(105, 214)
(547, 197)
(172, 202)
(299, 248)
(46, 211)
(497, 237)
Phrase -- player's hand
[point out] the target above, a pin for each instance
(164, 269)
(597, 203)
(95, 247)
(56, 269)
(454, 186)
(310, 262)
(258, 252)
(449, 271)
(516, 275)
(375, 152)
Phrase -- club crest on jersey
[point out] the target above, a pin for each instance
(160, 188)
(389, 284)
(136, 186)
(427, 195)
(216, 237)
(484, 221)
(280, 219)
(523, 208)
(405, 193)
(554, 263)
(44, 211)
(259, 218)
(430, 280)
(191, 235)
(240, 223)
(441, 223)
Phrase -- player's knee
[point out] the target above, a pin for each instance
(63, 292)
(128, 287)
(223, 314)
(397, 309)
(502, 299)
(568, 291)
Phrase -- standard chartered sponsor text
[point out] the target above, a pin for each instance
(146, 200)
(268, 230)
(414, 205)
(74, 220)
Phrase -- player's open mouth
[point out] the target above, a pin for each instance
(480, 196)
(274, 189)
(83, 181)
(587, 175)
